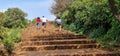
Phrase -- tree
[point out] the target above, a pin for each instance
(15, 16)
(2, 16)
(94, 19)
(114, 9)
(59, 6)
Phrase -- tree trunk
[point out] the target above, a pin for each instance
(114, 9)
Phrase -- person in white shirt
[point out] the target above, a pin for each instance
(44, 20)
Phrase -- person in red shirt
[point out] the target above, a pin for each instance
(38, 23)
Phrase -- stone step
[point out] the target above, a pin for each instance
(70, 52)
(54, 42)
(54, 47)
(58, 35)
(50, 38)
(88, 54)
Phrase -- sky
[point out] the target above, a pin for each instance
(34, 8)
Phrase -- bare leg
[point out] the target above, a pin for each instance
(60, 27)
(43, 28)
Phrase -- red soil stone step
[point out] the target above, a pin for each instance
(53, 42)
(50, 38)
(70, 52)
(54, 47)
(97, 54)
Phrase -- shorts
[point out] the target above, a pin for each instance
(44, 24)
(38, 25)
(58, 24)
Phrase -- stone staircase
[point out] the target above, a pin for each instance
(61, 44)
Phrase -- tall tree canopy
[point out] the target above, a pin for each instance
(14, 17)
(59, 6)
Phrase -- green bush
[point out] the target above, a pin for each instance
(97, 32)
(113, 35)
(34, 21)
(8, 44)
(118, 4)
(3, 32)
(93, 19)
(55, 23)
(72, 27)
(15, 35)
(24, 23)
